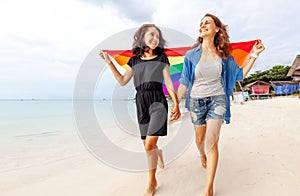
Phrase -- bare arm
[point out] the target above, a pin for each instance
(175, 113)
(122, 79)
(181, 91)
(256, 50)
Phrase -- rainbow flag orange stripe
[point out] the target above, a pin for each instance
(239, 50)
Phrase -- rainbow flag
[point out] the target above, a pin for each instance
(239, 50)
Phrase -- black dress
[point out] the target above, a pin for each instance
(151, 103)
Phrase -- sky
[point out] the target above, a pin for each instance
(43, 42)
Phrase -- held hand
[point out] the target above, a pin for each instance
(258, 47)
(175, 112)
(105, 56)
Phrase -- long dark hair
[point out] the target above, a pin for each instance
(221, 39)
(139, 47)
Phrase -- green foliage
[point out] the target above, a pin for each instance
(276, 73)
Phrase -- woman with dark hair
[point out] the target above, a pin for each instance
(149, 67)
(209, 75)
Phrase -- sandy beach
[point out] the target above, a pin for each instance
(259, 156)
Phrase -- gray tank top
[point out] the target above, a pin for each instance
(208, 79)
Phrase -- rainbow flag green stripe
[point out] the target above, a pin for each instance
(176, 68)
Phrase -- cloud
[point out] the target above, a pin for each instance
(135, 10)
(43, 43)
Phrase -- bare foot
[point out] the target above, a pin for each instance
(203, 160)
(151, 189)
(209, 192)
(160, 160)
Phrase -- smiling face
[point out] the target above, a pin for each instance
(151, 38)
(208, 27)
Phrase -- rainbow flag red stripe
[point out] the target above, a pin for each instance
(239, 50)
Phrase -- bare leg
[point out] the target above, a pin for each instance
(160, 160)
(152, 155)
(200, 136)
(212, 138)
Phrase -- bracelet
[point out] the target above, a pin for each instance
(254, 55)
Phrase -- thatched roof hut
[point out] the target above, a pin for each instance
(294, 71)
(258, 87)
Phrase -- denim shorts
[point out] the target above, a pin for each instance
(213, 107)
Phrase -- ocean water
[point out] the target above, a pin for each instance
(34, 125)
(41, 131)
(36, 130)
(25, 118)
(30, 127)
(39, 118)
(45, 118)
